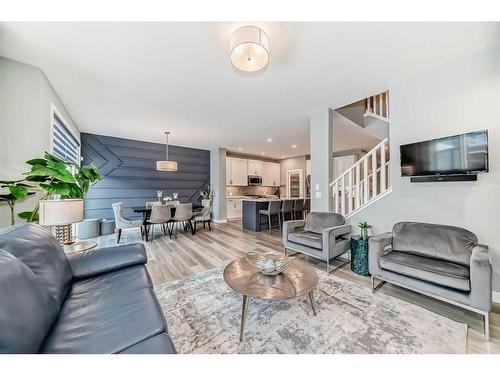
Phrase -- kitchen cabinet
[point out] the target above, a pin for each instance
(236, 172)
(254, 167)
(271, 174)
(233, 208)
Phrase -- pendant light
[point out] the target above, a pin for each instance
(249, 49)
(166, 165)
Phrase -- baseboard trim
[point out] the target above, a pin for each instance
(220, 221)
(496, 297)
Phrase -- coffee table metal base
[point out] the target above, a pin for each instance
(244, 311)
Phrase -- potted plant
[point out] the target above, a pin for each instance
(207, 192)
(59, 178)
(17, 190)
(364, 226)
(56, 177)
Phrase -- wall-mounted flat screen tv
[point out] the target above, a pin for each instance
(455, 155)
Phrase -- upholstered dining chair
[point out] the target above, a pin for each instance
(203, 216)
(122, 222)
(298, 208)
(160, 215)
(183, 215)
(151, 204)
(273, 209)
(286, 209)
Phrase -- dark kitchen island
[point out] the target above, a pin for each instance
(251, 219)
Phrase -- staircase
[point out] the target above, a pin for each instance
(364, 183)
(377, 106)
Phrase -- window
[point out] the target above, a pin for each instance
(64, 144)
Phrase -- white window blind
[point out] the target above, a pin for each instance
(64, 145)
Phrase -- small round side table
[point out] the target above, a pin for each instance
(359, 255)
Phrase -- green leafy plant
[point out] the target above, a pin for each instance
(58, 177)
(17, 190)
(364, 226)
(55, 177)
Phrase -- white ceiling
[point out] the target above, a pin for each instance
(136, 80)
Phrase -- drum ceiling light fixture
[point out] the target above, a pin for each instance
(166, 165)
(249, 49)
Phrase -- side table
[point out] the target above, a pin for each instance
(79, 246)
(359, 255)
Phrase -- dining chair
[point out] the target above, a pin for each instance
(203, 216)
(183, 215)
(286, 209)
(298, 207)
(160, 214)
(151, 204)
(122, 222)
(273, 209)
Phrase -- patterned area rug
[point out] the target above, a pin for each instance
(203, 316)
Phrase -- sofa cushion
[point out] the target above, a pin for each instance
(435, 271)
(306, 238)
(443, 242)
(159, 344)
(107, 315)
(317, 221)
(36, 247)
(27, 310)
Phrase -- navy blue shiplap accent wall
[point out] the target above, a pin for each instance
(130, 176)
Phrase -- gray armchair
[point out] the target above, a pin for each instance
(440, 261)
(322, 235)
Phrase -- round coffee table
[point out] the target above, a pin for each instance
(296, 281)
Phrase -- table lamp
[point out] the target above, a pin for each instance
(61, 213)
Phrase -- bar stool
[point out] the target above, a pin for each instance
(298, 208)
(273, 209)
(307, 206)
(286, 208)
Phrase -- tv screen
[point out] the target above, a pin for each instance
(458, 154)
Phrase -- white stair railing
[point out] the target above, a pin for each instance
(378, 106)
(365, 181)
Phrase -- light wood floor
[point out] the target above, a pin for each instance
(171, 259)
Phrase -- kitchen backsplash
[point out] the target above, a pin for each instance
(251, 190)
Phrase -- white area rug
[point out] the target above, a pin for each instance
(203, 316)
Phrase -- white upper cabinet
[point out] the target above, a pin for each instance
(271, 173)
(254, 167)
(236, 172)
(342, 164)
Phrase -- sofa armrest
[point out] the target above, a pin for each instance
(329, 238)
(376, 248)
(290, 227)
(480, 278)
(98, 261)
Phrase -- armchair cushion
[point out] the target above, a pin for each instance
(306, 238)
(97, 261)
(317, 221)
(443, 242)
(435, 271)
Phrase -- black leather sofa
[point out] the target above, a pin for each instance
(95, 301)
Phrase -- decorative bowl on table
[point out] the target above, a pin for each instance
(268, 264)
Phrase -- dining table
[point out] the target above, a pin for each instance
(146, 212)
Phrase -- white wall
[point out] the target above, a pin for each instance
(460, 97)
(25, 98)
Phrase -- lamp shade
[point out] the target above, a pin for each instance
(249, 49)
(166, 165)
(60, 211)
